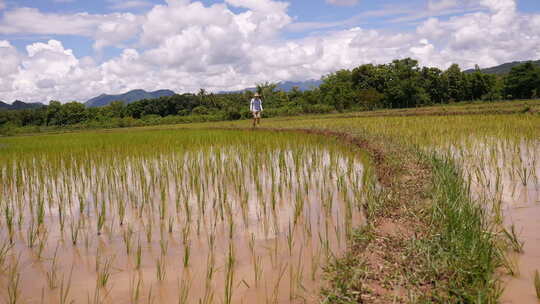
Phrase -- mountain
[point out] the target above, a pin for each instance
(4, 106)
(286, 86)
(19, 105)
(129, 97)
(503, 68)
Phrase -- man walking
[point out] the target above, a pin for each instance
(256, 108)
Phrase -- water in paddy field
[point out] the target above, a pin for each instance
(506, 175)
(219, 225)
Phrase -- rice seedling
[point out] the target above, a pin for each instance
(52, 274)
(42, 241)
(14, 279)
(96, 297)
(171, 223)
(184, 286)
(104, 271)
(161, 271)
(229, 274)
(138, 256)
(127, 235)
(187, 253)
(513, 239)
(75, 229)
(65, 286)
(148, 230)
(8, 212)
(101, 217)
(150, 298)
(209, 183)
(4, 250)
(164, 246)
(135, 289)
(32, 235)
(537, 283)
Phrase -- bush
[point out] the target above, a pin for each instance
(318, 108)
(200, 110)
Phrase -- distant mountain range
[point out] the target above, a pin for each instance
(503, 68)
(19, 105)
(287, 86)
(129, 97)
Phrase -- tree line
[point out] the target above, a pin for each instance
(400, 84)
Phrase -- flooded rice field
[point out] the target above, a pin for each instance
(164, 217)
(505, 176)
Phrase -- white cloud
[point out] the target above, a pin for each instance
(109, 29)
(343, 2)
(9, 67)
(262, 6)
(184, 46)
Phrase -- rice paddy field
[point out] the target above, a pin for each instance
(498, 157)
(220, 213)
(174, 216)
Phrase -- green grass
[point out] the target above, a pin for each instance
(461, 250)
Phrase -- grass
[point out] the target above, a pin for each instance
(463, 243)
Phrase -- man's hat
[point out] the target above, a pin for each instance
(257, 95)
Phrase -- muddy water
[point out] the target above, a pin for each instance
(207, 226)
(506, 176)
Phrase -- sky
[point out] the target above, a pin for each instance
(76, 49)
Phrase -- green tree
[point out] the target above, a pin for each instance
(523, 81)
(52, 117)
(404, 86)
(370, 99)
(337, 90)
(455, 83)
(72, 113)
(434, 85)
(116, 109)
(268, 92)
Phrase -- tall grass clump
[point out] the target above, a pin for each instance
(462, 248)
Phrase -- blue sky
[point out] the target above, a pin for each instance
(75, 49)
(300, 10)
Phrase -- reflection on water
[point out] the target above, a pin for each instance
(209, 226)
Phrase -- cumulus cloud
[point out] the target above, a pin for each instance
(109, 29)
(184, 45)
